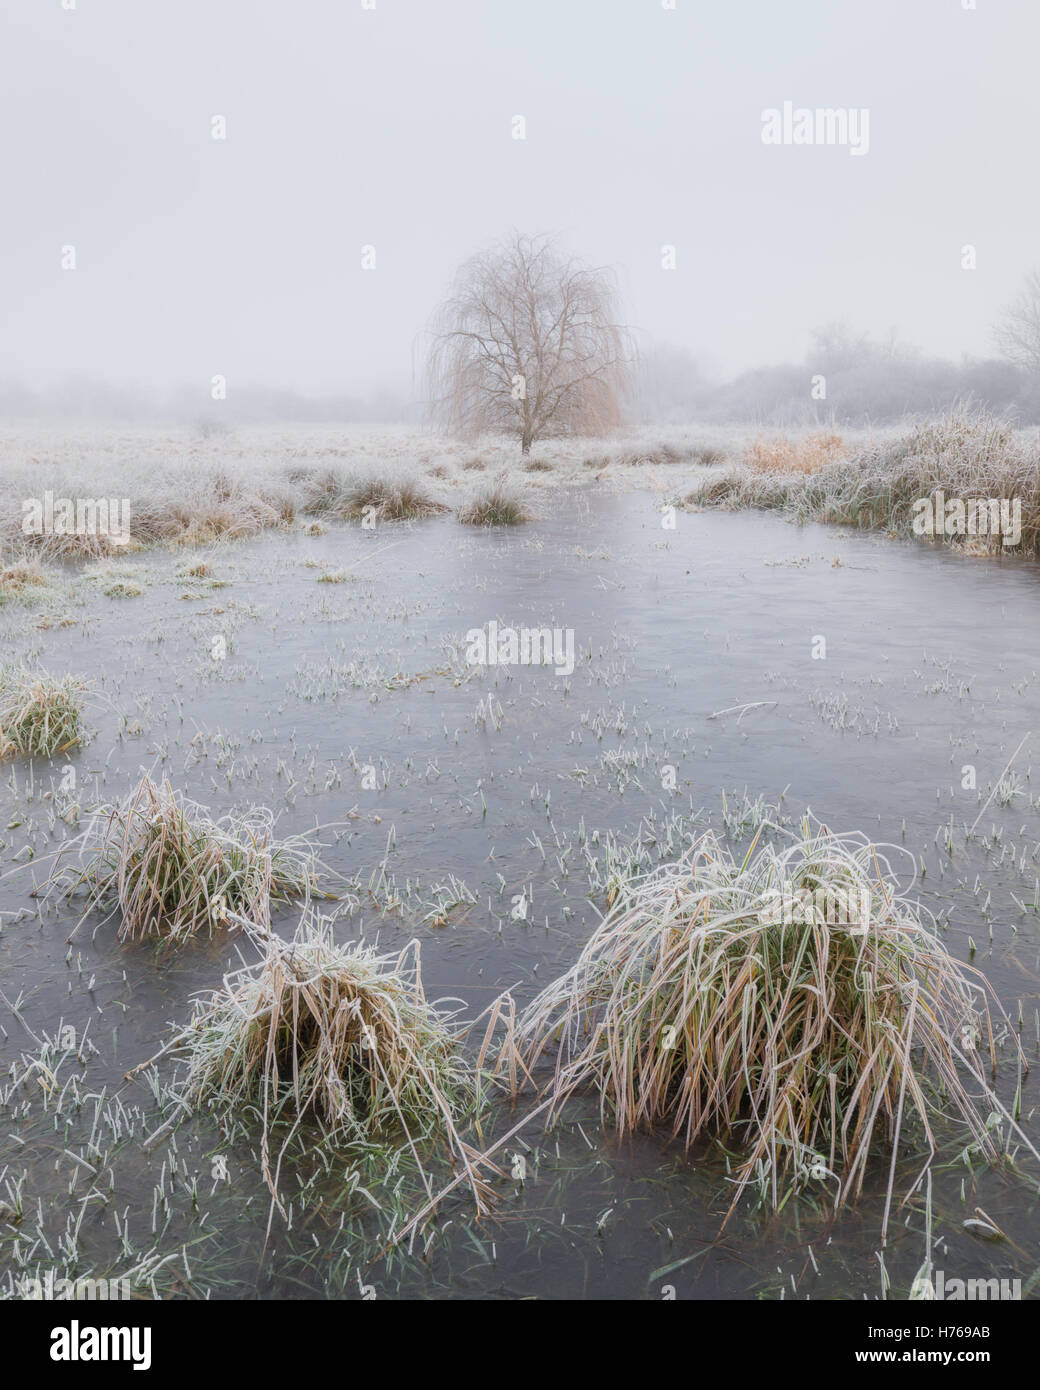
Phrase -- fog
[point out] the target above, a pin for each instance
(392, 127)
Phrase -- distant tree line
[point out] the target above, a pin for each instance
(878, 384)
(851, 378)
(531, 341)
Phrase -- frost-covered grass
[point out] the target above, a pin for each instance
(379, 497)
(171, 870)
(875, 484)
(24, 580)
(338, 1033)
(497, 506)
(782, 454)
(706, 1003)
(40, 715)
(186, 489)
(114, 581)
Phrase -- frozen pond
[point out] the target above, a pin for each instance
(463, 791)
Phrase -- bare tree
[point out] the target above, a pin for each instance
(528, 342)
(1017, 334)
(836, 346)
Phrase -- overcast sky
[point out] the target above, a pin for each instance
(392, 127)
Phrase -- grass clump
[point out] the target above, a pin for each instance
(22, 579)
(115, 581)
(334, 1032)
(199, 575)
(390, 501)
(739, 488)
(708, 456)
(651, 455)
(187, 507)
(218, 509)
(328, 493)
(702, 1004)
(968, 455)
(497, 506)
(40, 715)
(199, 508)
(784, 455)
(72, 545)
(172, 871)
(348, 1032)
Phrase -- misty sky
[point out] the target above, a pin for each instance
(392, 127)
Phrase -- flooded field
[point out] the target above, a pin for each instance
(731, 669)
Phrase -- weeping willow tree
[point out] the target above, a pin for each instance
(528, 343)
